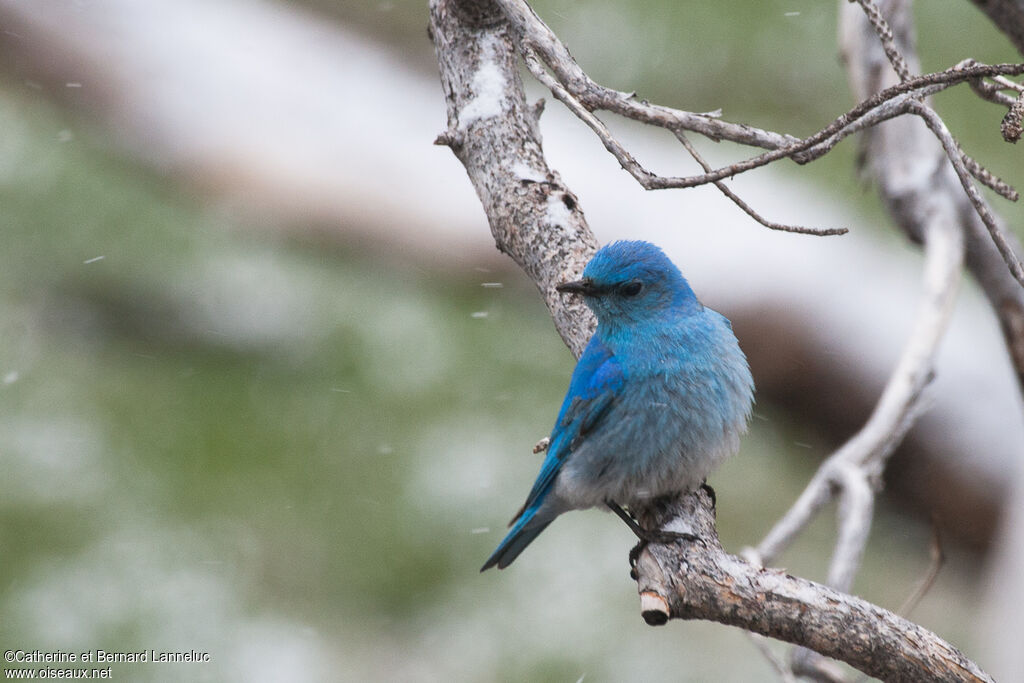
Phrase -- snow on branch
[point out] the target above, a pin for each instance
(533, 216)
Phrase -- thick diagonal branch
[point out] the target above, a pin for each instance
(701, 581)
(533, 217)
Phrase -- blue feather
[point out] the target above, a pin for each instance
(592, 389)
(659, 397)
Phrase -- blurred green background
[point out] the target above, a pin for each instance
(295, 454)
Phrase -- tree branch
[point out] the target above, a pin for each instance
(533, 217)
(899, 404)
(700, 581)
(535, 35)
(571, 85)
(746, 208)
(907, 166)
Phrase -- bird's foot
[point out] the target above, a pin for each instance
(711, 493)
(634, 555)
(648, 536)
(657, 536)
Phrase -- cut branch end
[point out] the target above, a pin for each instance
(654, 609)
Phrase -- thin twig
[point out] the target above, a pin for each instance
(537, 37)
(885, 111)
(881, 26)
(900, 400)
(987, 178)
(853, 522)
(954, 153)
(746, 207)
(1012, 122)
(810, 665)
(625, 159)
(591, 96)
(897, 107)
(937, 560)
(990, 91)
(1007, 84)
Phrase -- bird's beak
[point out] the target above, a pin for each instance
(584, 286)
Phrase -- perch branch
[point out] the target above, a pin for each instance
(701, 581)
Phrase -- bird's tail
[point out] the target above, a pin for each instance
(526, 528)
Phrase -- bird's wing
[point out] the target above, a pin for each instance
(596, 382)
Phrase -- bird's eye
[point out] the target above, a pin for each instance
(631, 288)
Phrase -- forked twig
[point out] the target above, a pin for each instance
(542, 50)
(681, 136)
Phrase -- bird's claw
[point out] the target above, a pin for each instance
(657, 536)
(634, 556)
(711, 493)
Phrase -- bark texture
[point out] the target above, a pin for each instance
(533, 216)
(700, 581)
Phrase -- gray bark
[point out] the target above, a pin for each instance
(700, 581)
(533, 217)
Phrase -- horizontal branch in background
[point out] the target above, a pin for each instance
(542, 50)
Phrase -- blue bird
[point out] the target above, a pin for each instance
(658, 399)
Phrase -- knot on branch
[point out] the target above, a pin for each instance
(449, 139)
(1012, 122)
(479, 13)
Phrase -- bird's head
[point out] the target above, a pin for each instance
(632, 282)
